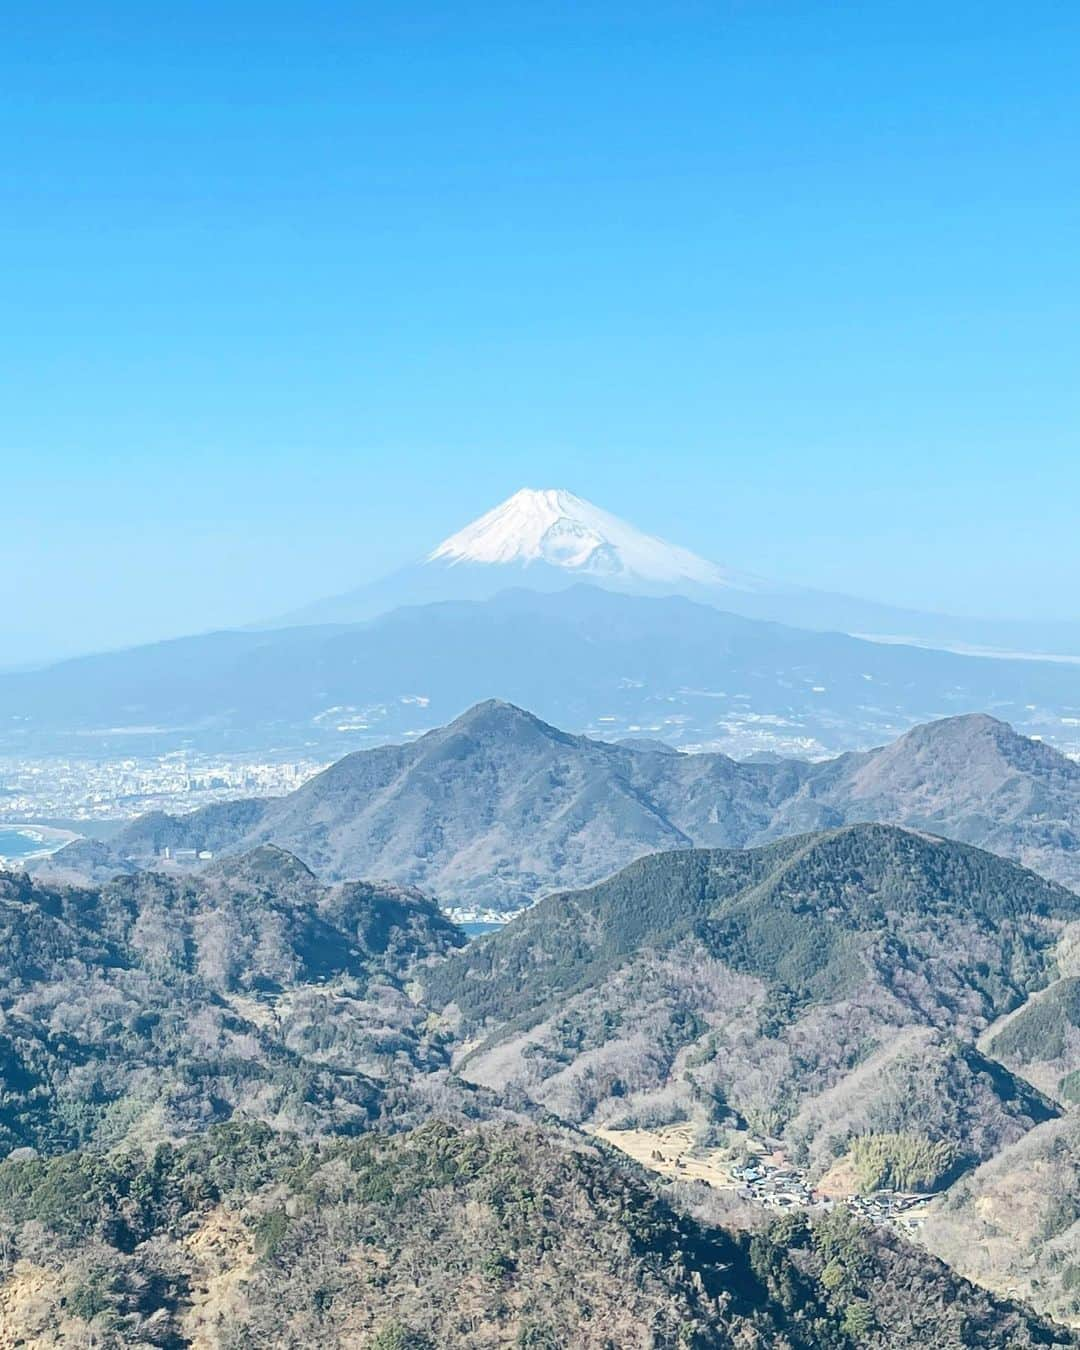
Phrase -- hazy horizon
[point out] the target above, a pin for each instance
(70, 644)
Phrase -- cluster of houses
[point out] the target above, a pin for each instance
(760, 1172)
(897, 1208)
(770, 1180)
(773, 1182)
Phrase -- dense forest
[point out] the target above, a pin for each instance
(154, 1006)
(445, 1237)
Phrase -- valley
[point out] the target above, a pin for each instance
(761, 1175)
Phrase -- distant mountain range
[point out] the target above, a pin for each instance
(499, 807)
(611, 664)
(547, 539)
(552, 603)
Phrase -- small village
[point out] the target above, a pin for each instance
(759, 1171)
(770, 1180)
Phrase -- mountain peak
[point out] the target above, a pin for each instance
(554, 527)
(970, 733)
(494, 716)
(962, 761)
(265, 865)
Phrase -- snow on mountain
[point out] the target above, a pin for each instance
(557, 528)
(548, 539)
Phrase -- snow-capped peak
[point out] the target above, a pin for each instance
(553, 526)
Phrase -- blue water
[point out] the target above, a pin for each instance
(17, 843)
(475, 929)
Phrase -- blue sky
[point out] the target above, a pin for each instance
(292, 291)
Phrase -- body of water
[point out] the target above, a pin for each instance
(16, 843)
(475, 929)
(24, 841)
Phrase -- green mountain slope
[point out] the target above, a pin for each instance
(1041, 1040)
(445, 1237)
(751, 987)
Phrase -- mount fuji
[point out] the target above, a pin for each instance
(544, 539)
(555, 528)
(553, 604)
(549, 539)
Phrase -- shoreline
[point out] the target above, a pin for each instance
(50, 837)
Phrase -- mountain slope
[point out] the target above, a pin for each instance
(496, 785)
(156, 1005)
(1014, 1223)
(499, 807)
(546, 539)
(623, 665)
(974, 779)
(755, 985)
(448, 1238)
(1041, 1041)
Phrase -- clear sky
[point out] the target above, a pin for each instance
(290, 291)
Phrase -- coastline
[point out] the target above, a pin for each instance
(49, 837)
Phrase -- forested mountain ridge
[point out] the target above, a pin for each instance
(447, 1237)
(498, 807)
(759, 987)
(152, 1006)
(786, 911)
